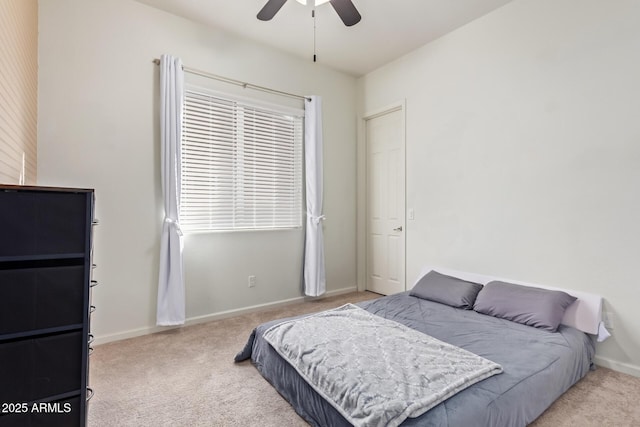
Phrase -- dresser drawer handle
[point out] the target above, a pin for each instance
(90, 352)
(91, 339)
(89, 393)
(93, 284)
(92, 309)
(95, 221)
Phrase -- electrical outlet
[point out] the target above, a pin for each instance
(252, 281)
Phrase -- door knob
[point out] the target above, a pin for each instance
(398, 229)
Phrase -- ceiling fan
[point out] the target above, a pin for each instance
(344, 8)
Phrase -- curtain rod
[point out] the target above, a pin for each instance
(238, 82)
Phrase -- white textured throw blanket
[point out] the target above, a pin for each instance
(374, 371)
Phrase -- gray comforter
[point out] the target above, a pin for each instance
(374, 371)
(538, 366)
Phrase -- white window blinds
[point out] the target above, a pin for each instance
(241, 165)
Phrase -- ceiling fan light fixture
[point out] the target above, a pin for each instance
(344, 8)
(317, 2)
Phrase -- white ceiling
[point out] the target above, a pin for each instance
(388, 30)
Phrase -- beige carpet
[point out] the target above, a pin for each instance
(186, 377)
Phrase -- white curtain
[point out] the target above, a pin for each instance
(171, 300)
(314, 271)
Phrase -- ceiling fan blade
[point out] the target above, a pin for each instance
(270, 9)
(346, 11)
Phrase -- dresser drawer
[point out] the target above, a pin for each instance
(35, 223)
(35, 368)
(40, 298)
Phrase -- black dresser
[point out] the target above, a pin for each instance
(45, 305)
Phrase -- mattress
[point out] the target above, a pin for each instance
(538, 366)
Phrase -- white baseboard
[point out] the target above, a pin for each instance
(625, 368)
(132, 333)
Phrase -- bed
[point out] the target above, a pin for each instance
(536, 364)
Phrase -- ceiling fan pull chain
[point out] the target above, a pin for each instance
(313, 15)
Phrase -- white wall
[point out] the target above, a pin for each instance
(98, 128)
(523, 151)
(18, 91)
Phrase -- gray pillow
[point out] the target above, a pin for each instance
(448, 290)
(540, 308)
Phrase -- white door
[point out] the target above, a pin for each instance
(385, 231)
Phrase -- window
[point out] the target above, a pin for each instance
(241, 165)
